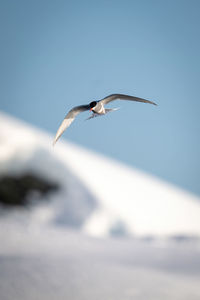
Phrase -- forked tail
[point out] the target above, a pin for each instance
(110, 109)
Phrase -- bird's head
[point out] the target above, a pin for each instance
(92, 104)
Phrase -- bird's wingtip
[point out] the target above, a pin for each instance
(54, 142)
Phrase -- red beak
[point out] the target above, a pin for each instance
(91, 109)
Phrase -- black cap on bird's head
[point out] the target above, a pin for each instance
(92, 104)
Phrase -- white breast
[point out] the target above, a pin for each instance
(99, 109)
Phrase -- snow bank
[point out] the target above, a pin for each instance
(99, 194)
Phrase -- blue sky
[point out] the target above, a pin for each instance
(58, 54)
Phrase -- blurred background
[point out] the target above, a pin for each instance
(55, 55)
(116, 202)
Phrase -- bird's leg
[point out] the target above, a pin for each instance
(94, 115)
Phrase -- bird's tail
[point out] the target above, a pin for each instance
(107, 110)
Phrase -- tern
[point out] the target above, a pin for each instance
(98, 109)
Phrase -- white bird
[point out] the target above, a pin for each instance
(97, 107)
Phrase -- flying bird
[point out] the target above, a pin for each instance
(97, 108)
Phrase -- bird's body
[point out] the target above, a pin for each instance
(97, 107)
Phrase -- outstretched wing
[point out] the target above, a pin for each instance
(69, 118)
(113, 97)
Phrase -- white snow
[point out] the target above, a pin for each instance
(144, 205)
(46, 252)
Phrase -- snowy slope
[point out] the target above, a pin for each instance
(42, 256)
(121, 199)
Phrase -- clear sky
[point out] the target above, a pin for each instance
(58, 54)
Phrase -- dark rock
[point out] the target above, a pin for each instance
(17, 190)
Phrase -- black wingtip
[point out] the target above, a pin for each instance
(153, 103)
